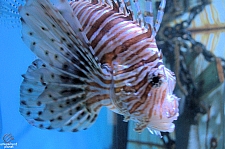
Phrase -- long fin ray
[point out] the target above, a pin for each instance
(50, 106)
(60, 90)
(67, 13)
(48, 38)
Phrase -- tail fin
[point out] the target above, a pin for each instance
(65, 89)
(51, 99)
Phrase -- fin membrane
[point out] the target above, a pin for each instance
(56, 87)
(51, 99)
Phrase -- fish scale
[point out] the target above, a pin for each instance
(92, 54)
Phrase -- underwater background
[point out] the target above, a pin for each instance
(15, 57)
(192, 39)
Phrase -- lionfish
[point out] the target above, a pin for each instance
(94, 54)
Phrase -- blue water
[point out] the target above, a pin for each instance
(15, 57)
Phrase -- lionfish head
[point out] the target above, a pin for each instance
(163, 105)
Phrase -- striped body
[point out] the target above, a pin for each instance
(129, 52)
(101, 58)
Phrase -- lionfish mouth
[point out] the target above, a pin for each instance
(164, 121)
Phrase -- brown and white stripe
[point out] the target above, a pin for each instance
(94, 55)
(132, 54)
(120, 43)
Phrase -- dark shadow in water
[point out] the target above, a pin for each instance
(120, 133)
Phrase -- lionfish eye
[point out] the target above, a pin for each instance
(155, 80)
